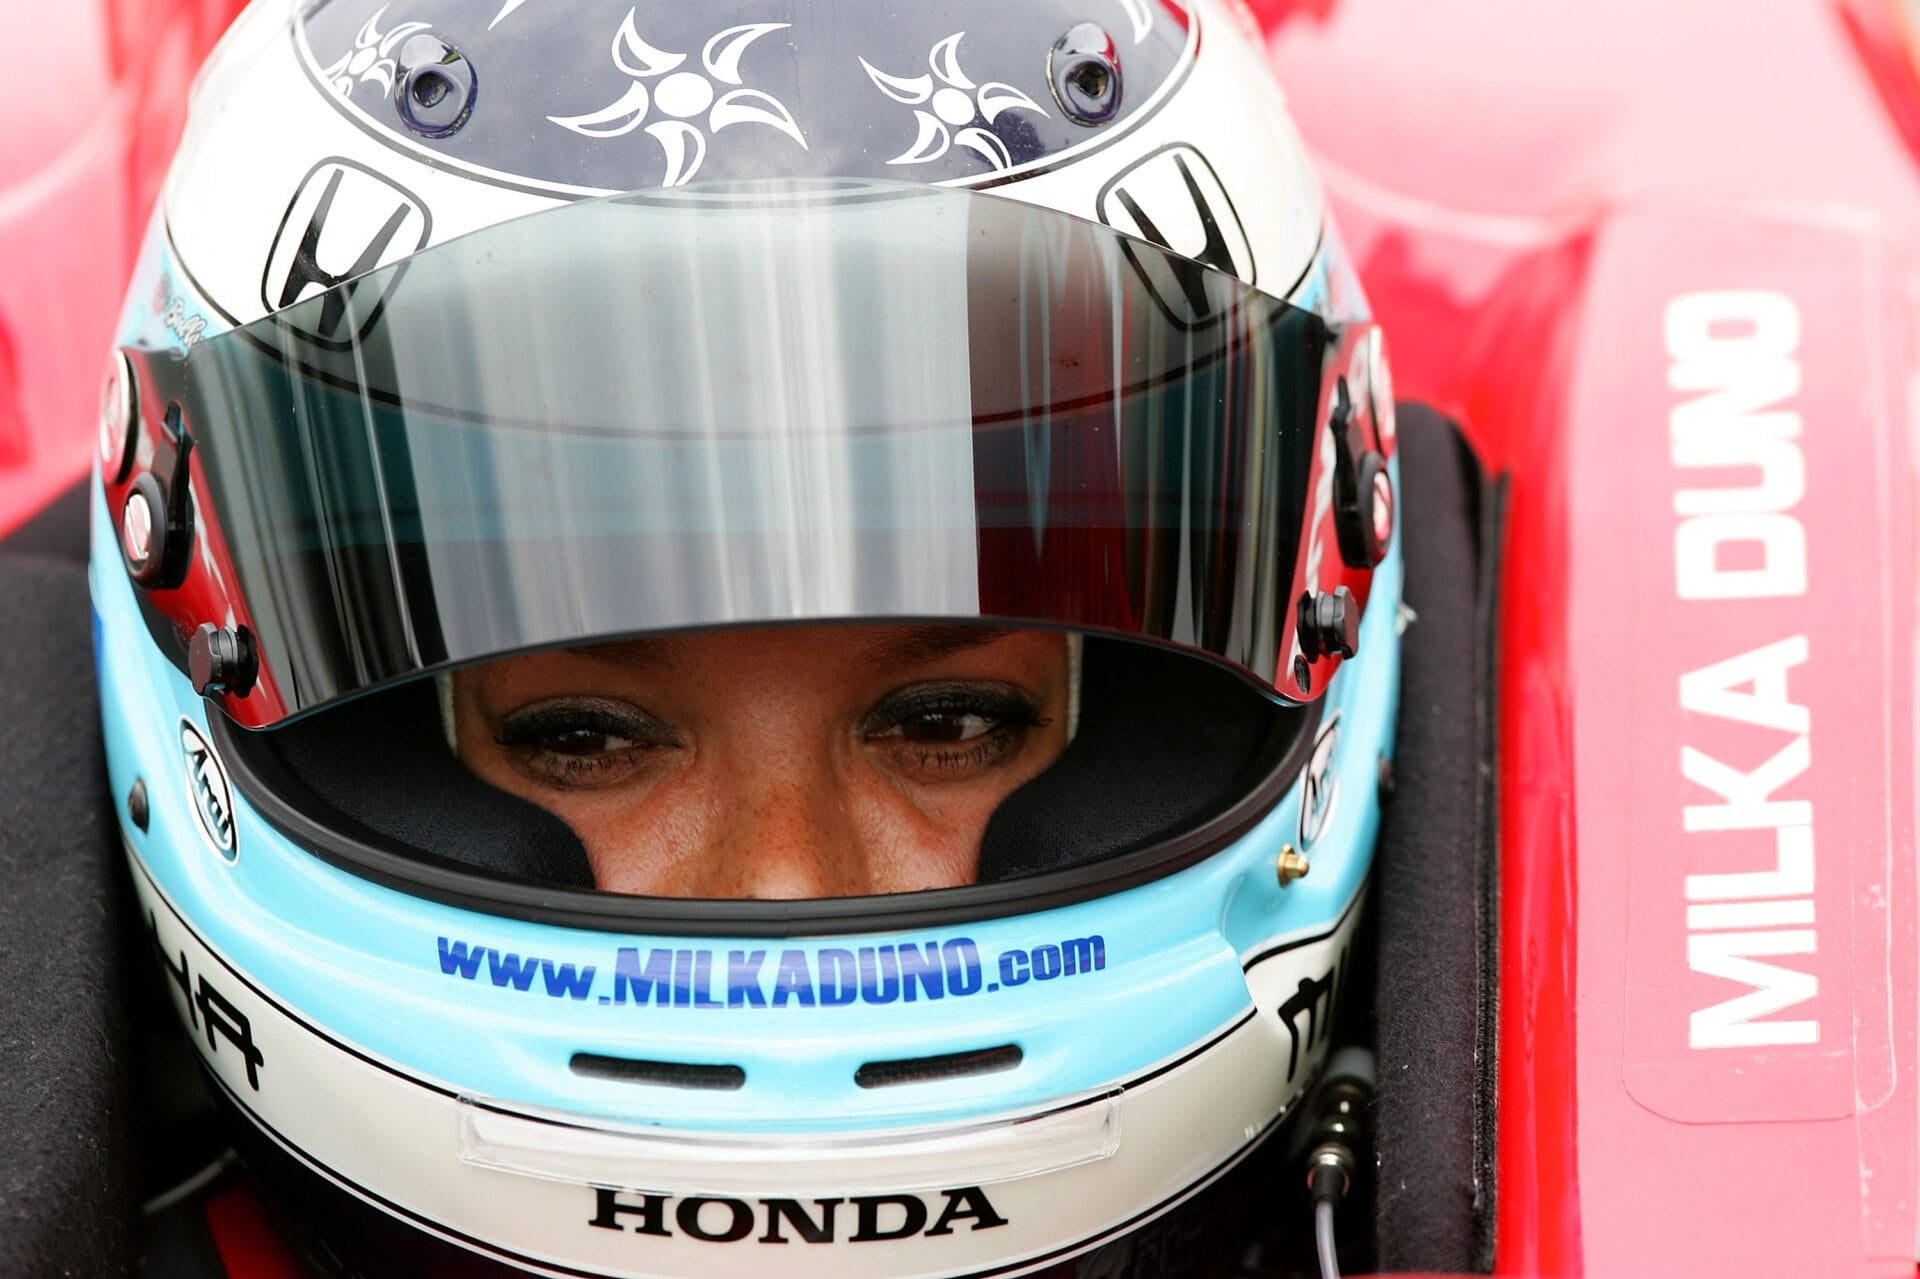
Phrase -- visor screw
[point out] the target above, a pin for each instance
(1291, 866)
(434, 90)
(1329, 623)
(137, 803)
(220, 659)
(1084, 69)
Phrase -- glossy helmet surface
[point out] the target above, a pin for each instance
(1021, 314)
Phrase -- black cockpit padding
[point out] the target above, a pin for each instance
(383, 761)
(1165, 742)
(68, 1202)
(59, 528)
(1434, 879)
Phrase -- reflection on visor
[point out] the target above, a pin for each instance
(753, 404)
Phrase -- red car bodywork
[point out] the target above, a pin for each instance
(93, 101)
(1532, 194)
(1538, 197)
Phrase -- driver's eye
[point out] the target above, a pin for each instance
(940, 726)
(585, 741)
(951, 729)
(582, 741)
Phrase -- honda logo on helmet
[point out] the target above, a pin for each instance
(343, 222)
(1175, 199)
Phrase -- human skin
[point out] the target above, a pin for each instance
(788, 762)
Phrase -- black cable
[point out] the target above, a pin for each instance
(190, 1185)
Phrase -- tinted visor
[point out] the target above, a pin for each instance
(755, 404)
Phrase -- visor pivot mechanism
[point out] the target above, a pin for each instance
(1362, 489)
(119, 418)
(156, 523)
(1329, 624)
(220, 659)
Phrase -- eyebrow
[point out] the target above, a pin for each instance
(660, 652)
(915, 644)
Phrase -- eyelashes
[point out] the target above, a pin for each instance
(578, 720)
(952, 728)
(935, 732)
(577, 742)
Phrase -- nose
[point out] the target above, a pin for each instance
(787, 834)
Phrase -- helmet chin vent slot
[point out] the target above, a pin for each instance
(925, 1070)
(663, 1074)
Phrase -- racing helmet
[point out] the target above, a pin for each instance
(466, 331)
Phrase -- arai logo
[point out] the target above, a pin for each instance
(207, 789)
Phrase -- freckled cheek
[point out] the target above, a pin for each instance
(649, 839)
(669, 835)
(929, 840)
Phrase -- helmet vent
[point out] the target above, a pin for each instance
(923, 1070)
(664, 1074)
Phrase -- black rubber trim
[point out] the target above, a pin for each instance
(59, 527)
(662, 1074)
(1492, 530)
(925, 1070)
(261, 778)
